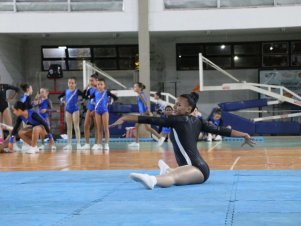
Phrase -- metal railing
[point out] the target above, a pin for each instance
(117, 5)
(278, 94)
(211, 4)
(60, 5)
(89, 69)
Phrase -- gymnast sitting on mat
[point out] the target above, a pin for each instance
(184, 134)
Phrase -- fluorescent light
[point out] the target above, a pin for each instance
(62, 47)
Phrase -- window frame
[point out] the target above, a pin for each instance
(92, 58)
(259, 55)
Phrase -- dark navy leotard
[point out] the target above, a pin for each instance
(26, 99)
(185, 131)
(33, 119)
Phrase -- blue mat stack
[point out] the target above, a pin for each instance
(259, 128)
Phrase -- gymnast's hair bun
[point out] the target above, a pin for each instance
(140, 85)
(194, 96)
(24, 87)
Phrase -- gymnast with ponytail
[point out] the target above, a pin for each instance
(26, 97)
(185, 130)
(144, 110)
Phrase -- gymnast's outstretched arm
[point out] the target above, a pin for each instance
(170, 121)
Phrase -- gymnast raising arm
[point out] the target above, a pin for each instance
(184, 134)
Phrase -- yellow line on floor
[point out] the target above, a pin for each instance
(210, 149)
(234, 163)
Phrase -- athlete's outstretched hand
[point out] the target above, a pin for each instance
(120, 121)
(248, 141)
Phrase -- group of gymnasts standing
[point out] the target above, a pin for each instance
(98, 98)
(36, 123)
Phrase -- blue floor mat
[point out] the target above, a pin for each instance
(109, 197)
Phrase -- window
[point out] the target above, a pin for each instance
(218, 50)
(105, 51)
(247, 49)
(296, 47)
(127, 55)
(220, 54)
(287, 2)
(191, 50)
(296, 53)
(126, 64)
(223, 62)
(188, 63)
(79, 52)
(114, 57)
(188, 56)
(54, 52)
(106, 64)
(245, 3)
(275, 54)
(246, 55)
(275, 48)
(127, 51)
(246, 61)
(275, 61)
(189, 4)
(53, 55)
(75, 65)
(47, 63)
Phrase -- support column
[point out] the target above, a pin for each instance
(144, 44)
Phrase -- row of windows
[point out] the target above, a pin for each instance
(240, 55)
(118, 57)
(226, 55)
(197, 4)
(60, 5)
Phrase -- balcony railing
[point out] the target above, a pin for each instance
(197, 4)
(60, 5)
(117, 5)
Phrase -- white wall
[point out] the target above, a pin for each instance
(222, 19)
(160, 19)
(58, 22)
(11, 60)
